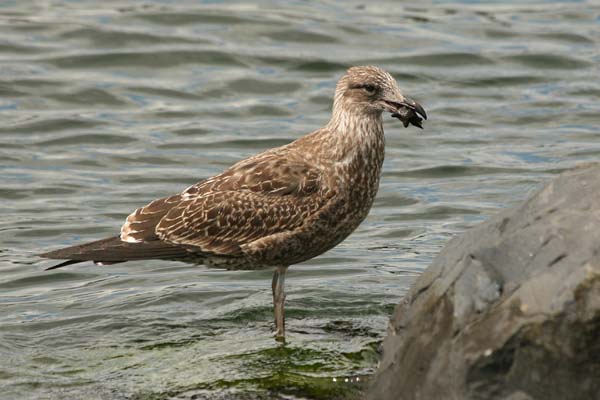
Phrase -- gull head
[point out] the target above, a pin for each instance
(370, 90)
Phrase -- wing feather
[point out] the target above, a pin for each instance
(255, 198)
(246, 203)
(141, 224)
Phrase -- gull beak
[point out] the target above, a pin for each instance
(413, 105)
(406, 110)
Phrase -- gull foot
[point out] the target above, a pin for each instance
(279, 336)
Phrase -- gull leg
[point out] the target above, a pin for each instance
(278, 301)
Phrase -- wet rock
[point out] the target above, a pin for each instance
(508, 310)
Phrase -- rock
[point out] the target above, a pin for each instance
(508, 310)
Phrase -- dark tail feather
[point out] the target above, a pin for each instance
(63, 264)
(113, 250)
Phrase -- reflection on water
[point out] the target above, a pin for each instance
(105, 107)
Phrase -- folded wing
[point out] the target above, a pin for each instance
(252, 200)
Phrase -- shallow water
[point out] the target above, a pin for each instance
(108, 105)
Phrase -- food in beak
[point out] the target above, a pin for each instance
(408, 116)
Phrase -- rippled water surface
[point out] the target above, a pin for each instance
(108, 105)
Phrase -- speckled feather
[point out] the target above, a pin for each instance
(280, 207)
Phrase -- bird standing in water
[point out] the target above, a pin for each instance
(277, 208)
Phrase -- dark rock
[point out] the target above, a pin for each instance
(508, 310)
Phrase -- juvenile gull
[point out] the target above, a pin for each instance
(277, 208)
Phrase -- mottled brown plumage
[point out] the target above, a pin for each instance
(278, 208)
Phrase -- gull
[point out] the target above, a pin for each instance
(280, 207)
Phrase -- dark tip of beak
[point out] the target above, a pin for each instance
(420, 110)
(410, 103)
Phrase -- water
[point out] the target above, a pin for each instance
(108, 105)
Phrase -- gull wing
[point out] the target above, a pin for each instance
(253, 199)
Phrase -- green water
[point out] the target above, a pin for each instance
(108, 105)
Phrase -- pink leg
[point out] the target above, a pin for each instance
(278, 302)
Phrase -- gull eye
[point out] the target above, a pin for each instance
(370, 88)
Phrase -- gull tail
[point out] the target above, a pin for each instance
(113, 250)
(63, 264)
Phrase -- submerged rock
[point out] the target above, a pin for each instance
(508, 310)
